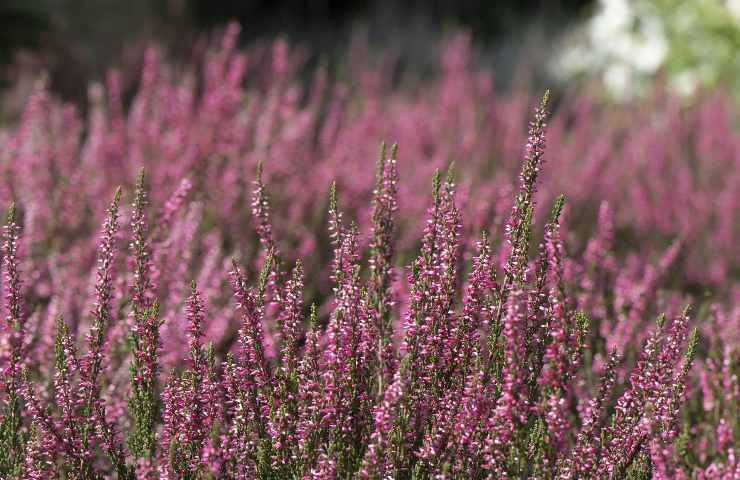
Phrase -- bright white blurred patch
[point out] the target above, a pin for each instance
(623, 42)
(685, 83)
(733, 6)
(618, 79)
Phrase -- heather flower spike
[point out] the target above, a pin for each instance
(144, 337)
(11, 436)
(12, 282)
(385, 205)
(261, 211)
(92, 362)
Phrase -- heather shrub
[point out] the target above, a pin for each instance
(257, 305)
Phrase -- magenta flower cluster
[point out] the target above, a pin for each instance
(261, 308)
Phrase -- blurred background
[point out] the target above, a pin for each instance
(623, 45)
(76, 41)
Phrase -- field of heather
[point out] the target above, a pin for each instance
(253, 269)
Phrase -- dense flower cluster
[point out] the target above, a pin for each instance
(232, 334)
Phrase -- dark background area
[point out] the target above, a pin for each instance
(76, 41)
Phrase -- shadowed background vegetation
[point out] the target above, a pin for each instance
(77, 41)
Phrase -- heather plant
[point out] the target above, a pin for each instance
(377, 331)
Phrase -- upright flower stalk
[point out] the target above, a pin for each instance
(144, 338)
(285, 408)
(385, 205)
(519, 223)
(250, 387)
(188, 401)
(349, 356)
(11, 436)
(92, 362)
(15, 319)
